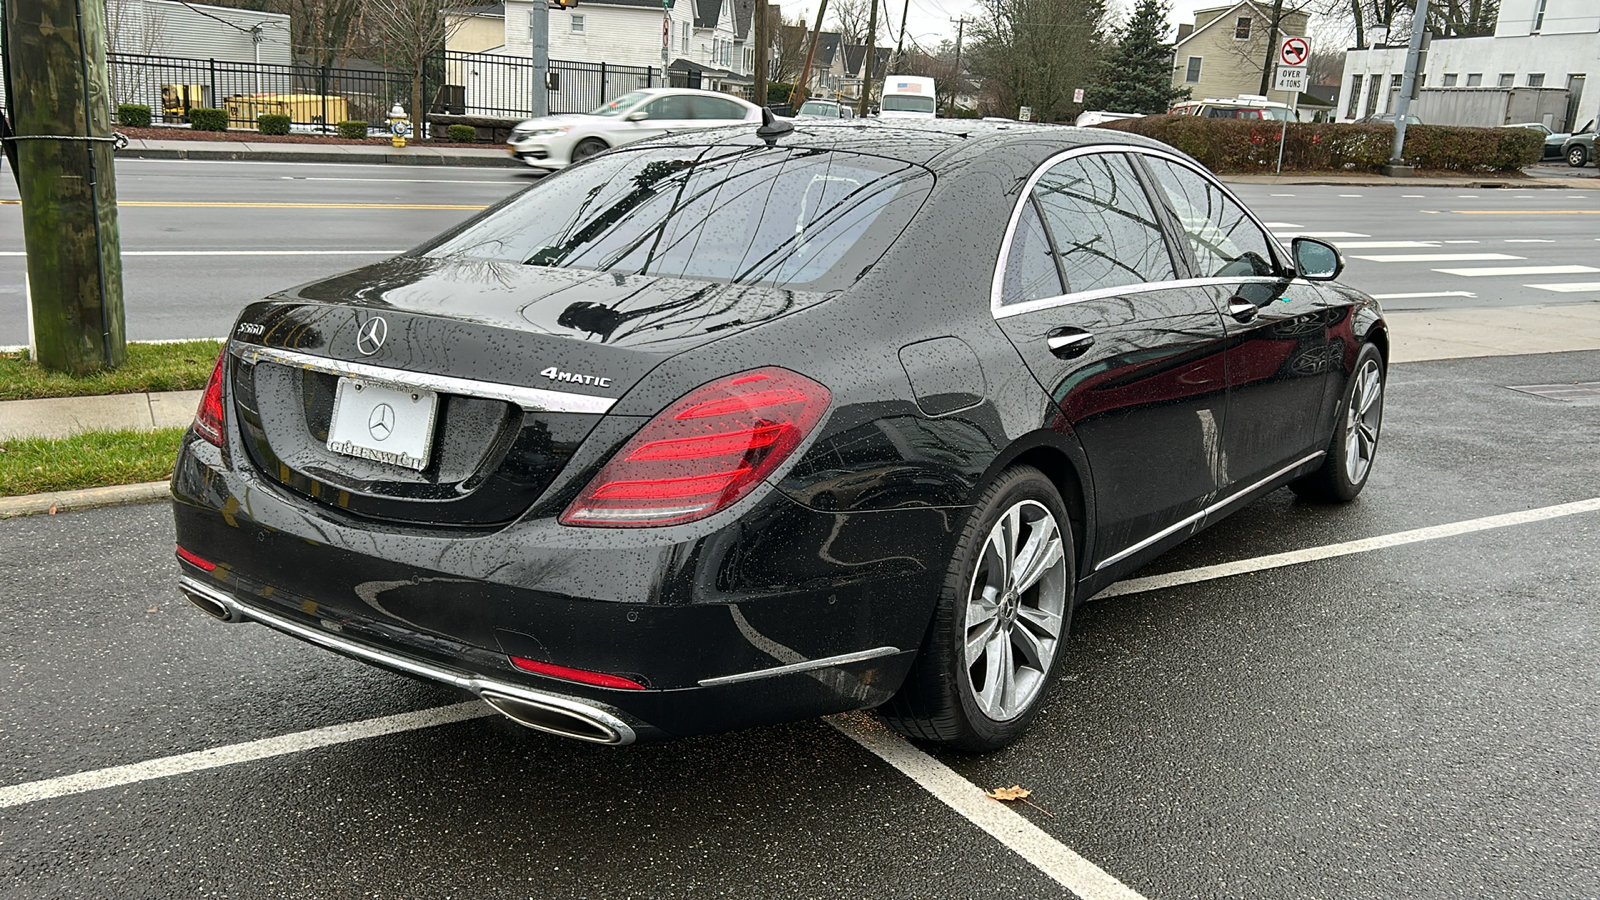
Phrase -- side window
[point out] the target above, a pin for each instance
(713, 108)
(669, 108)
(1103, 225)
(1031, 268)
(1226, 241)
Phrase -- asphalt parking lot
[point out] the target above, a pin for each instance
(1417, 720)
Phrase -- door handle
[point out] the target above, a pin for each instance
(1243, 310)
(1068, 342)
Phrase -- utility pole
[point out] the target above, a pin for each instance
(900, 42)
(539, 33)
(1408, 87)
(961, 27)
(866, 64)
(1272, 47)
(61, 105)
(763, 27)
(802, 86)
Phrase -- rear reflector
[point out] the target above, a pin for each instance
(582, 676)
(208, 418)
(193, 560)
(703, 453)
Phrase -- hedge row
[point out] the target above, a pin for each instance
(272, 123)
(1251, 146)
(202, 119)
(133, 115)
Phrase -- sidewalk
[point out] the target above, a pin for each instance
(67, 416)
(414, 154)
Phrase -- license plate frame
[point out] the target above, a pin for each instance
(386, 423)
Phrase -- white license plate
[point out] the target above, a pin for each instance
(387, 424)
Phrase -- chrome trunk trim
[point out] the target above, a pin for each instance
(532, 399)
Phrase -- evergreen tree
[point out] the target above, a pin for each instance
(1136, 76)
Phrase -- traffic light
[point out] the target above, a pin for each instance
(563, 4)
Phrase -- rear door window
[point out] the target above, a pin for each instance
(1104, 229)
(774, 216)
(718, 109)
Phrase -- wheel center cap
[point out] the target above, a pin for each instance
(1009, 604)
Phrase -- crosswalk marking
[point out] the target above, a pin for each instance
(1570, 288)
(1423, 296)
(1374, 245)
(1276, 225)
(1437, 257)
(1322, 234)
(1519, 270)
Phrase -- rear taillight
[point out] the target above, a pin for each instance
(703, 453)
(208, 418)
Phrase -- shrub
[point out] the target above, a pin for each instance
(463, 134)
(271, 123)
(352, 129)
(203, 119)
(1251, 145)
(778, 92)
(133, 115)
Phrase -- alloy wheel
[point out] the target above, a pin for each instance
(1015, 610)
(1362, 421)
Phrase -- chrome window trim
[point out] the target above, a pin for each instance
(476, 684)
(997, 284)
(805, 666)
(1215, 507)
(531, 399)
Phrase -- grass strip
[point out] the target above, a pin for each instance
(183, 366)
(92, 459)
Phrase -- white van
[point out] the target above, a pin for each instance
(908, 97)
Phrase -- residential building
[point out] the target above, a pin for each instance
(1536, 44)
(1222, 53)
(196, 31)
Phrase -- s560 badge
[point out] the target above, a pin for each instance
(555, 374)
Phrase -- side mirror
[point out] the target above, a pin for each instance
(1317, 260)
(638, 115)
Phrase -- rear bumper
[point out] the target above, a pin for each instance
(778, 615)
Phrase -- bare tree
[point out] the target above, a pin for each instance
(412, 31)
(1034, 53)
(323, 31)
(851, 18)
(789, 49)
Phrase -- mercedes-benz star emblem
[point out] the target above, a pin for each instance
(370, 338)
(381, 422)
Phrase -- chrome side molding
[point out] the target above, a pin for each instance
(809, 665)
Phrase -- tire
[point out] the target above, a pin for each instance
(1348, 464)
(982, 698)
(1577, 156)
(588, 147)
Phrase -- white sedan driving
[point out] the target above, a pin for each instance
(554, 142)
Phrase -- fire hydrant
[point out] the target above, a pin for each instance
(399, 125)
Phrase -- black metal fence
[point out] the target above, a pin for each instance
(481, 84)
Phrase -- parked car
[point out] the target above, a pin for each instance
(1579, 149)
(824, 109)
(1553, 141)
(1411, 119)
(1250, 107)
(554, 142)
(1095, 117)
(755, 425)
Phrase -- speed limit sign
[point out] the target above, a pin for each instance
(1294, 52)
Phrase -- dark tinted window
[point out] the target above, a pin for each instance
(716, 108)
(1031, 268)
(1104, 227)
(672, 106)
(1225, 240)
(748, 215)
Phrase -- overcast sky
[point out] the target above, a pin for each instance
(930, 21)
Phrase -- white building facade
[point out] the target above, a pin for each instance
(1537, 43)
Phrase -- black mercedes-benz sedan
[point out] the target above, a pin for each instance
(757, 425)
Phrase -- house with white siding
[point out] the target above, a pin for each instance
(1536, 44)
(196, 31)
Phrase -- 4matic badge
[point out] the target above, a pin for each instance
(555, 374)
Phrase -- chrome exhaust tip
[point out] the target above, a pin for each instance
(212, 606)
(574, 721)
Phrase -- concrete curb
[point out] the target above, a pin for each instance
(1518, 183)
(88, 498)
(322, 156)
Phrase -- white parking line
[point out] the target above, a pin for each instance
(1413, 196)
(1436, 257)
(217, 757)
(1423, 296)
(1021, 836)
(1282, 224)
(1519, 270)
(1323, 234)
(1529, 241)
(1328, 551)
(1576, 287)
(1463, 242)
(1349, 195)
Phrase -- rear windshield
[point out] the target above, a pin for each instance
(800, 218)
(902, 103)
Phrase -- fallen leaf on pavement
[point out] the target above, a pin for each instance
(52, 509)
(1015, 792)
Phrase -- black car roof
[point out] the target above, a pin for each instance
(932, 143)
